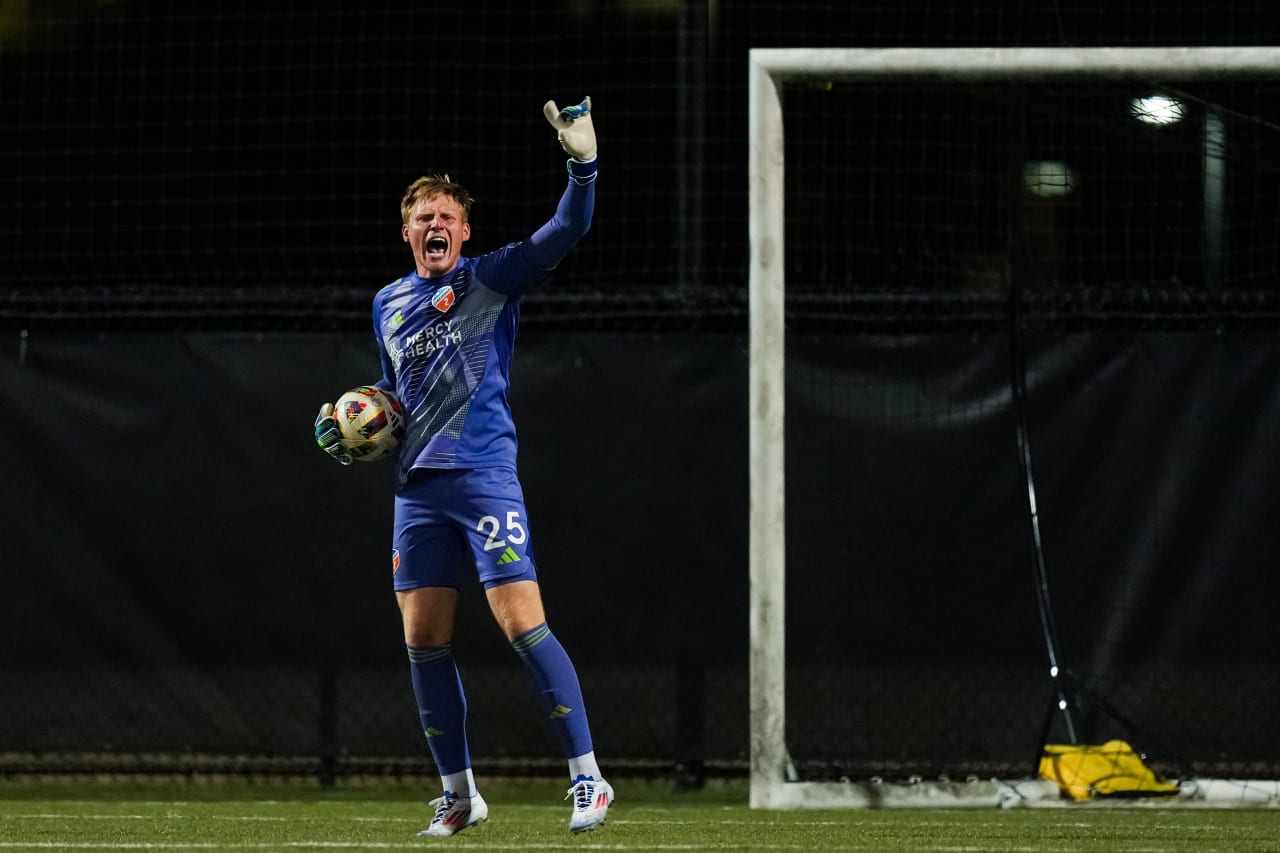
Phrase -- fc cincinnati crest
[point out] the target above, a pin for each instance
(443, 298)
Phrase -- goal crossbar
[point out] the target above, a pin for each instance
(768, 68)
(1022, 63)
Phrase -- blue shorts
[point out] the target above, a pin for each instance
(449, 520)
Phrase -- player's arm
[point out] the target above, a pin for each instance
(388, 381)
(550, 243)
(328, 436)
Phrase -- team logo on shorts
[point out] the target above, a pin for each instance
(395, 560)
(443, 298)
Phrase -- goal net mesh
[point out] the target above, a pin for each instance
(1115, 200)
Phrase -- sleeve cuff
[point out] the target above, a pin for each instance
(582, 172)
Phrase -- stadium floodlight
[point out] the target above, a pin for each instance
(1157, 109)
(1048, 178)
(772, 774)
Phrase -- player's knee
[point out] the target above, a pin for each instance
(517, 607)
(422, 630)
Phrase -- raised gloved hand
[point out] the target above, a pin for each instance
(329, 437)
(577, 136)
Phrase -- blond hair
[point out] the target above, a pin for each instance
(431, 186)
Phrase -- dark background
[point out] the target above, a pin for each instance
(161, 150)
(199, 201)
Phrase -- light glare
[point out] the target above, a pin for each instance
(1157, 109)
(1048, 178)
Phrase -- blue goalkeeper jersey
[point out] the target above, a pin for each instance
(446, 343)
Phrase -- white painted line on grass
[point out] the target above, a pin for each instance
(374, 845)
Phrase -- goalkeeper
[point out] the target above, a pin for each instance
(445, 334)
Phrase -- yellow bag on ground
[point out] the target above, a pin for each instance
(1110, 770)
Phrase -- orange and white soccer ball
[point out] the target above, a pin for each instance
(372, 422)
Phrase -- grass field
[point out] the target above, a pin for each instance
(530, 815)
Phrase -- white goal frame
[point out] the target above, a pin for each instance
(768, 69)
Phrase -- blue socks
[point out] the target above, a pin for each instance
(441, 705)
(555, 682)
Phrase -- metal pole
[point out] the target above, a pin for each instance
(1215, 171)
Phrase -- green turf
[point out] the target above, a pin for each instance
(530, 815)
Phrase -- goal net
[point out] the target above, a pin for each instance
(938, 236)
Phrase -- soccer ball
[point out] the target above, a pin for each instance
(371, 421)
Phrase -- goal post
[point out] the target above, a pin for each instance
(773, 782)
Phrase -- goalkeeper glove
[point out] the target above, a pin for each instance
(329, 437)
(577, 136)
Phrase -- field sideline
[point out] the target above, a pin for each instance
(530, 815)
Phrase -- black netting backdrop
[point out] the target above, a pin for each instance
(913, 641)
(240, 163)
(197, 201)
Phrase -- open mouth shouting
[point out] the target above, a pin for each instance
(437, 248)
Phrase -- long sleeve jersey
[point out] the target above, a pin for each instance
(446, 343)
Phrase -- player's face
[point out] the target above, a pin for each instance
(435, 232)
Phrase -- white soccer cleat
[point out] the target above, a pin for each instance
(454, 814)
(591, 799)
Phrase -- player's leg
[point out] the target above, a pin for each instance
(517, 605)
(501, 545)
(426, 557)
(428, 614)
